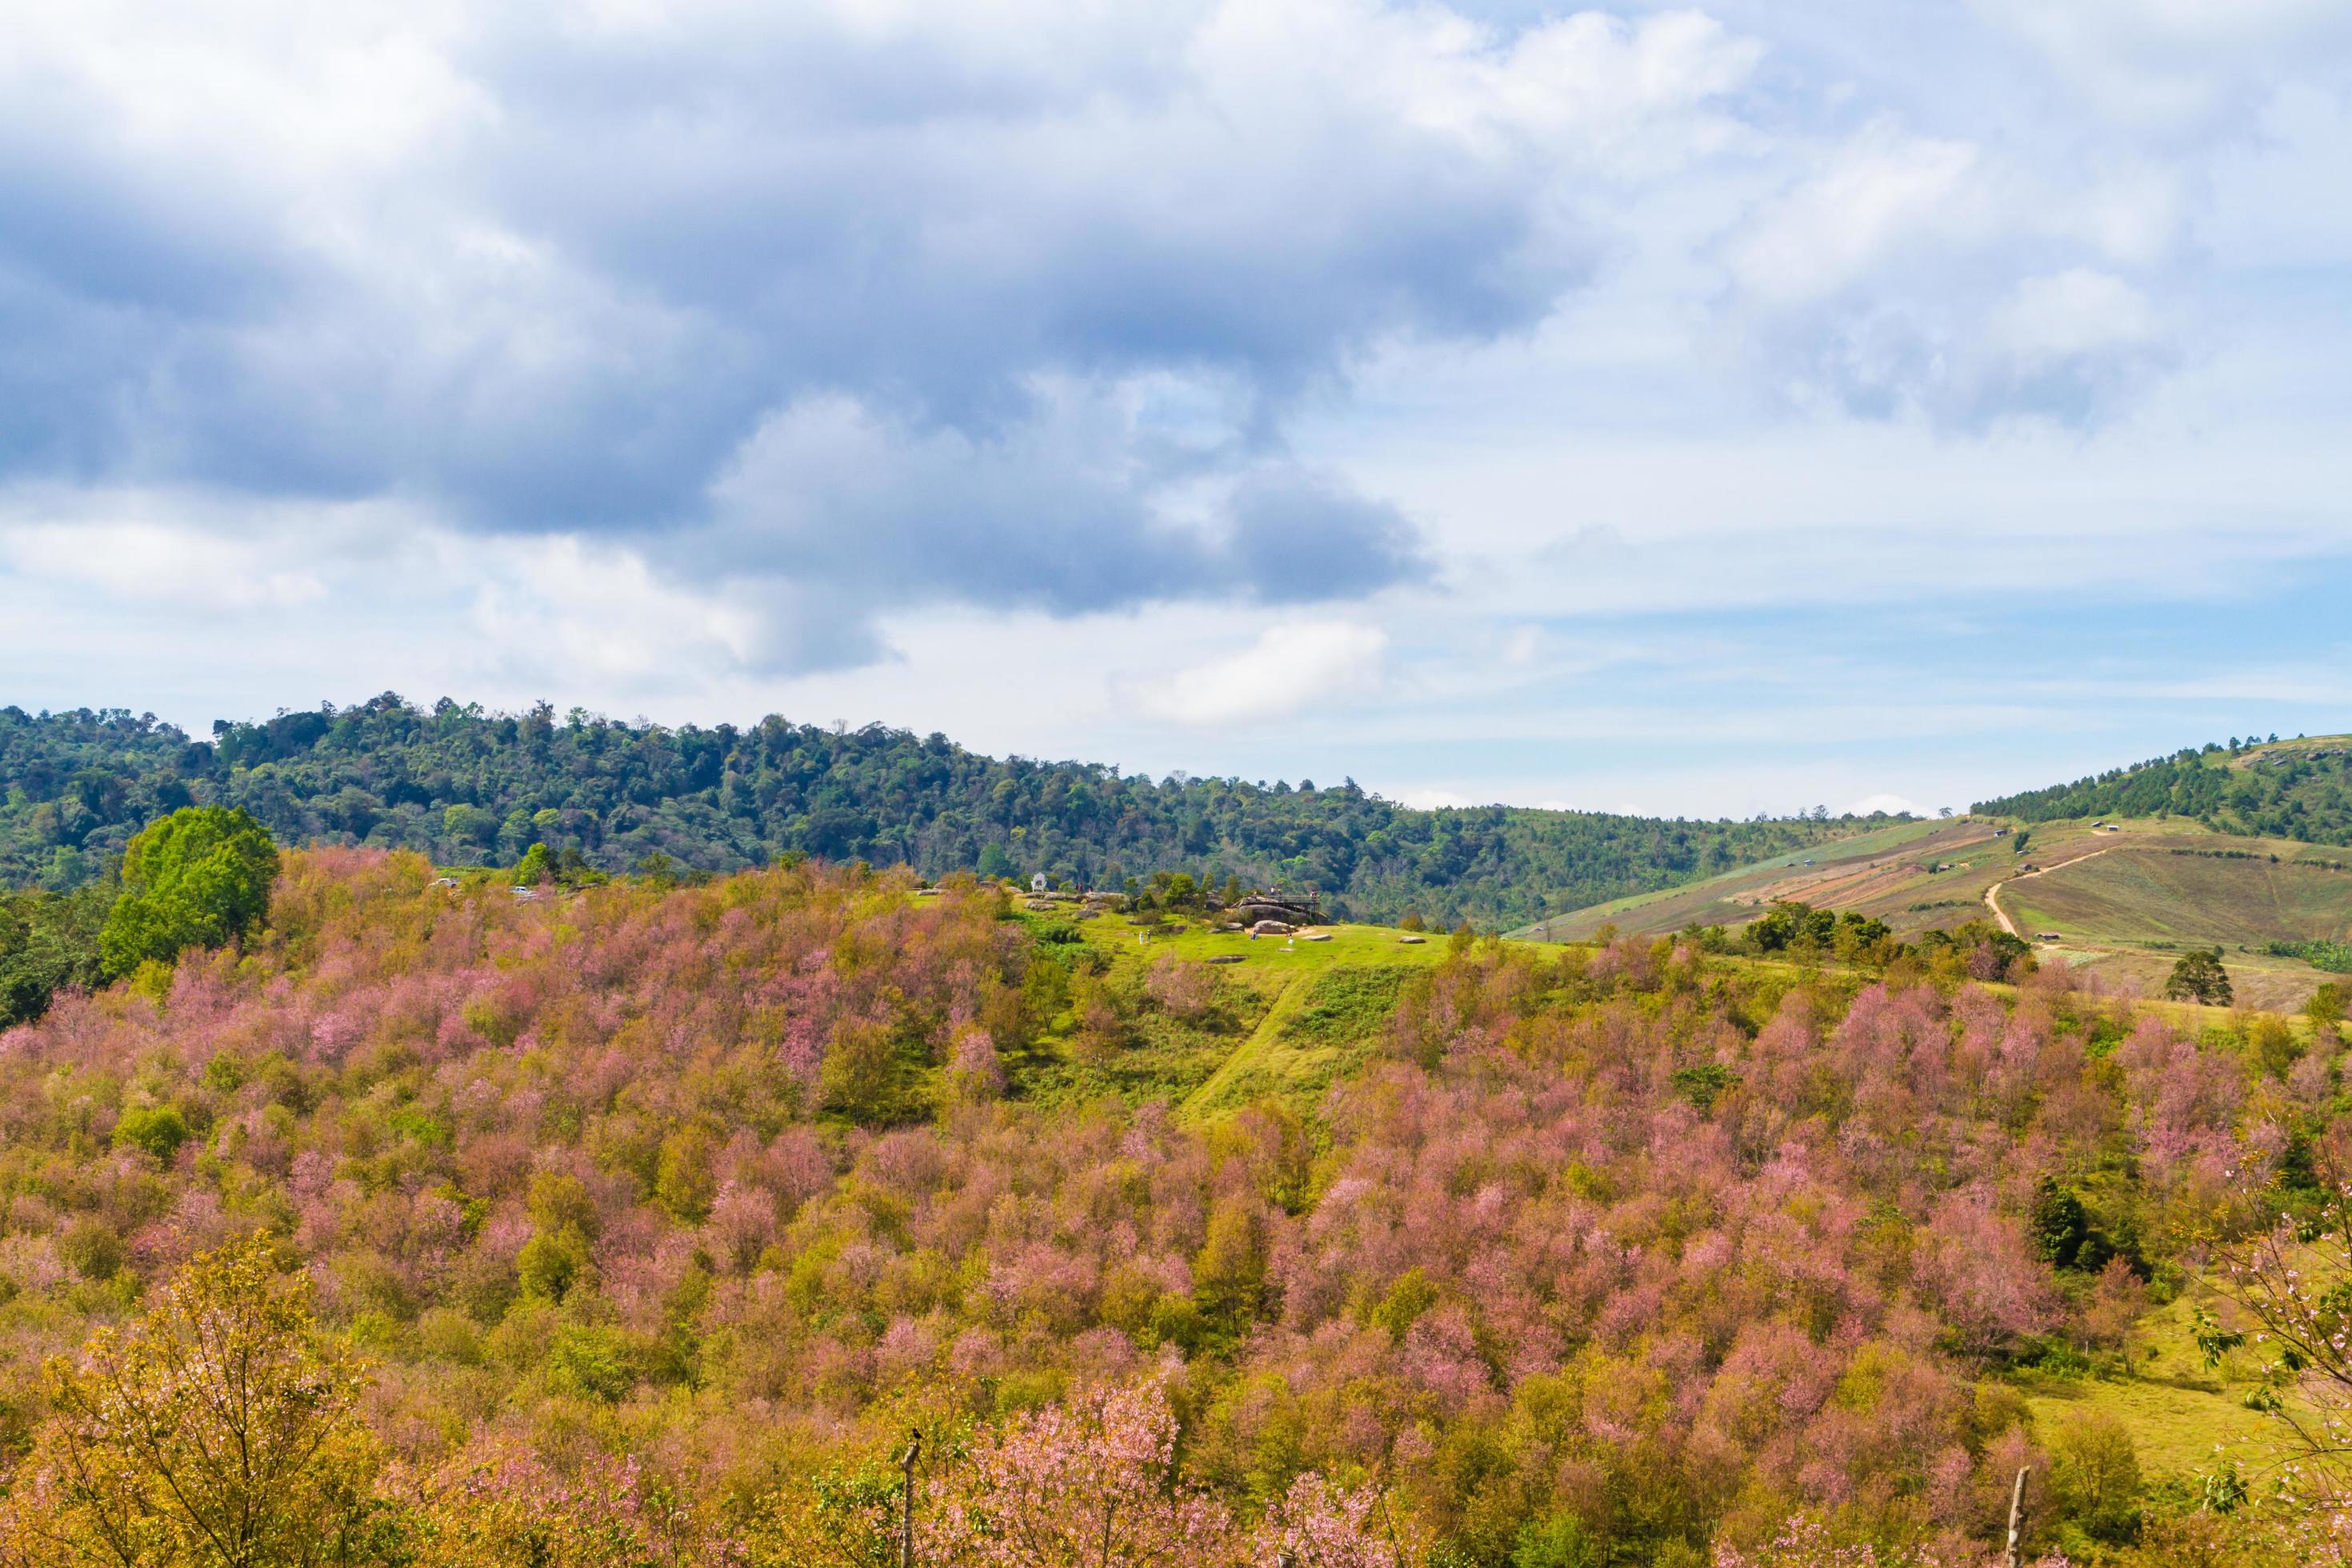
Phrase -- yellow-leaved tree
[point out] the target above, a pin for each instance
(217, 1430)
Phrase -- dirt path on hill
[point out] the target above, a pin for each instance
(1992, 902)
(1287, 1002)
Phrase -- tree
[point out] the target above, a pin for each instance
(2061, 1230)
(498, 1505)
(1093, 1484)
(2292, 1284)
(160, 1129)
(49, 942)
(2200, 977)
(1790, 923)
(217, 1431)
(2095, 1480)
(863, 1077)
(1081, 1486)
(198, 878)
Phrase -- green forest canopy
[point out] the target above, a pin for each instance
(2291, 792)
(472, 787)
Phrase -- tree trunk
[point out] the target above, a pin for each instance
(2017, 1519)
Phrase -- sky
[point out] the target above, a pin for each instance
(1878, 403)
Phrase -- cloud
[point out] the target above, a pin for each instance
(2171, 68)
(1885, 198)
(1297, 538)
(1079, 509)
(1291, 669)
(1922, 277)
(596, 268)
(138, 563)
(1892, 804)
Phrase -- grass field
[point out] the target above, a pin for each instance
(1740, 895)
(2185, 1420)
(2189, 899)
(2123, 901)
(1291, 1017)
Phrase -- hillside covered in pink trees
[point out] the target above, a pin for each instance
(667, 1212)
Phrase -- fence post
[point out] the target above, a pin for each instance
(2017, 1517)
(907, 1498)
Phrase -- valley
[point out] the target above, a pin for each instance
(666, 1203)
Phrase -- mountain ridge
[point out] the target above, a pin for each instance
(2299, 789)
(470, 786)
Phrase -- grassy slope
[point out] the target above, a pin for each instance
(1740, 894)
(2183, 1418)
(2125, 914)
(2156, 897)
(1292, 1017)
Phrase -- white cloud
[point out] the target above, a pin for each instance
(1881, 199)
(1892, 805)
(1291, 669)
(2170, 68)
(2070, 314)
(1938, 278)
(155, 563)
(1433, 799)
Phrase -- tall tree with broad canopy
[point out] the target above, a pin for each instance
(198, 878)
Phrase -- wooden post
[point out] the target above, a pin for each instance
(906, 1499)
(2017, 1519)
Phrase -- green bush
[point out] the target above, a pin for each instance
(1559, 1540)
(160, 1129)
(589, 1363)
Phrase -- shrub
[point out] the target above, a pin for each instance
(160, 1129)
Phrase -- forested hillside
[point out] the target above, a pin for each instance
(467, 788)
(2298, 789)
(640, 1226)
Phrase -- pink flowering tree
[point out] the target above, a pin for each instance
(1317, 1525)
(1092, 1484)
(2294, 1284)
(1804, 1542)
(1087, 1484)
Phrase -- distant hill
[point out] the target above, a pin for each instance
(2124, 902)
(2117, 889)
(472, 787)
(2299, 789)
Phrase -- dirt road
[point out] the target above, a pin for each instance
(1992, 902)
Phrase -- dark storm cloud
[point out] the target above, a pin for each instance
(1295, 539)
